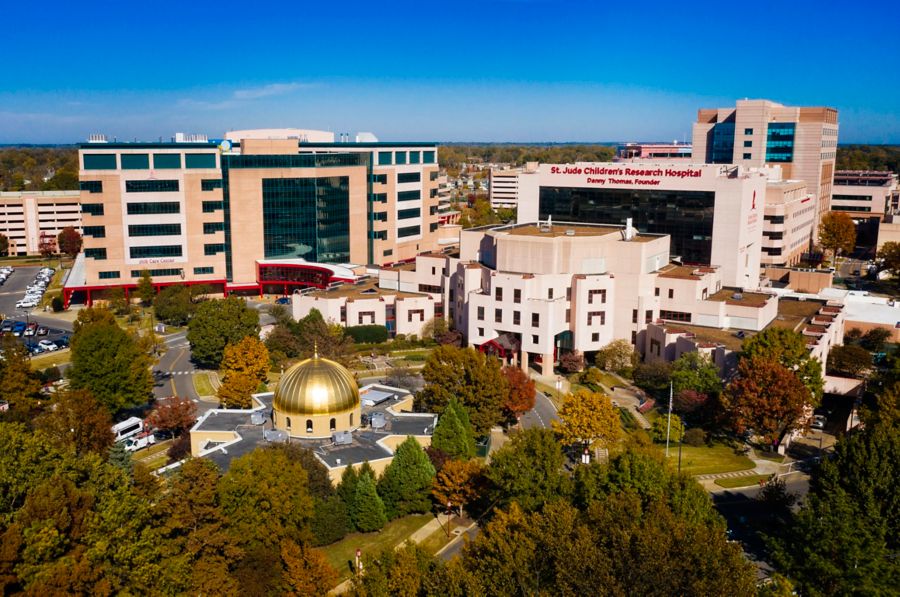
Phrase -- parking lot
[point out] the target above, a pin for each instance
(11, 292)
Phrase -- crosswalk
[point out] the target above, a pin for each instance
(178, 372)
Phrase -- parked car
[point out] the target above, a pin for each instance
(7, 326)
(48, 345)
(18, 328)
(819, 422)
(142, 440)
(30, 329)
(62, 342)
(35, 349)
(42, 331)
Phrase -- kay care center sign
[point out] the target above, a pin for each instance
(614, 174)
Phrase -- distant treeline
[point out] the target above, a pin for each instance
(38, 168)
(451, 156)
(869, 157)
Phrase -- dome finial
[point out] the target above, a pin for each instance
(315, 349)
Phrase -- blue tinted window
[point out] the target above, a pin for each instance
(94, 209)
(167, 161)
(99, 161)
(135, 161)
(137, 273)
(213, 227)
(427, 157)
(408, 231)
(384, 158)
(780, 142)
(154, 229)
(199, 160)
(409, 177)
(94, 231)
(99, 253)
(153, 207)
(109, 275)
(720, 143)
(210, 184)
(91, 186)
(203, 270)
(405, 214)
(409, 195)
(155, 251)
(151, 186)
(211, 206)
(213, 248)
(414, 157)
(400, 157)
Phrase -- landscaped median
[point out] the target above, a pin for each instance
(743, 481)
(709, 460)
(203, 386)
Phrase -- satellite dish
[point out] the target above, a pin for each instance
(225, 145)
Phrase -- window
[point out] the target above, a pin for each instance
(213, 227)
(568, 315)
(365, 317)
(151, 186)
(211, 206)
(498, 316)
(210, 184)
(597, 292)
(405, 214)
(309, 426)
(432, 227)
(517, 295)
(535, 320)
(408, 231)
(399, 157)
(409, 177)
(419, 314)
(379, 197)
(153, 207)
(332, 424)
(154, 229)
(656, 292)
(378, 234)
(433, 176)
(648, 316)
(549, 293)
(99, 161)
(91, 186)
(634, 338)
(384, 159)
(671, 293)
(414, 157)
(675, 316)
(155, 251)
(213, 248)
(634, 315)
(409, 195)
(535, 339)
(199, 160)
(481, 331)
(156, 273)
(748, 131)
(569, 293)
(199, 271)
(427, 157)
(95, 253)
(94, 209)
(498, 293)
(780, 142)
(288, 422)
(480, 313)
(380, 216)
(109, 275)
(94, 231)
(595, 337)
(748, 143)
(748, 156)
(167, 161)
(774, 219)
(517, 317)
(601, 315)
(379, 178)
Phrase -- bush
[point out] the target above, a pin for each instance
(180, 448)
(368, 334)
(57, 304)
(331, 521)
(571, 361)
(695, 437)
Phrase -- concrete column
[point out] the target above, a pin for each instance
(524, 362)
(547, 364)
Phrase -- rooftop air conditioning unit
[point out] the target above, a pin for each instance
(570, 233)
(737, 296)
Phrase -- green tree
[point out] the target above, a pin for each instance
(890, 254)
(174, 305)
(318, 481)
(528, 469)
(218, 323)
(331, 520)
(618, 356)
(874, 339)
(69, 241)
(330, 339)
(346, 489)
(367, 512)
(120, 458)
(405, 485)
(145, 290)
(851, 360)
(588, 418)
(453, 433)
(653, 377)
(109, 362)
(77, 421)
(837, 233)
(660, 426)
(473, 378)
(18, 383)
(696, 371)
(788, 348)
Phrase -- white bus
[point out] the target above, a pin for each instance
(127, 428)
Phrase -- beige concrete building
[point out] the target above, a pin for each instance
(27, 215)
(872, 199)
(503, 185)
(802, 140)
(789, 223)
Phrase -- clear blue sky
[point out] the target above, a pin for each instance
(488, 70)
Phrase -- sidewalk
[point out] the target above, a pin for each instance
(761, 467)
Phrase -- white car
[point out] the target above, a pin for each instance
(26, 304)
(819, 422)
(48, 345)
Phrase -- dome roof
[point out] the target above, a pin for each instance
(316, 386)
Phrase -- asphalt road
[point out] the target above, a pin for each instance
(174, 371)
(543, 413)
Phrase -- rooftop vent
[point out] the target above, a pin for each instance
(189, 138)
(257, 418)
(737, 296)
(570, 233)
(342, 438)
(377, 420)
(97, 138)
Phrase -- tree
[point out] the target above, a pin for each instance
(874, 339)
(405, 485)
(306, 570)
(402, 377)
(346, 489)
(4, 244)
(470, 376)
(18, 383)
(174, 414)
(521, 395)
(653, 377)
(328, 338)
(174, 305)
(837, 233)
(367, 511)
(689, 401)
(571, 361)
(588, 418)
(248, 357)
(850, 360)
(458, 483)
(78, 422)
(528, 469)
(145, 290)
(218, 323)
(890, 254)
(453, 434)
(331, 520)
(617, 356)
(69, 241)
(788, 348)
(368, 334)
(236, 391)
(120, 458)
(47, 245)
(660, 427)
(281, 340)
(765, 397)
(696, 371)
(109, 363)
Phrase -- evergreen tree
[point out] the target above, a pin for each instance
(145, 289)
(368, 509)
(331, 520)
(346, 489)
(119, 458)
(454, 434)
(405, 486)
(217, 324)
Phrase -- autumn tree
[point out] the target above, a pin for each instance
(528, 469)
(174, 414)
(367, 511)
(145, 290)
(307, 572)
(765, 397)
(889, 253)
(405, 485)
(459, 483)
(837, 233)
(77, 421)
(618, 356)
(218, 323)
(18, 383)
(788, 348)
(473, 378)
(247, 357)
(109, 362)
(588, 418)
(571, 361)
(521, 395)
(69, 241)
(454, 434)
(329, 338)
(850, 360)
(236, 391)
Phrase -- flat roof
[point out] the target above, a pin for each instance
(726, 338)
(748, 299)
(366, 289)
(685, 272)
(560, 230)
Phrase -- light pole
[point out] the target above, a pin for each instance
(669, 421)
(358, 561)
(449, 515)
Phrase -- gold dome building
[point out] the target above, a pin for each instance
(315, 398)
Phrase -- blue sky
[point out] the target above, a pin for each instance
(489, 70)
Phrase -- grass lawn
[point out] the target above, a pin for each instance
(708, 460)
(436, 540)
(629, 422)
(550, 391)
(51, 359)
(203, 385)
(765, 455)
(609, 380)
(343, 553)
(742, 481)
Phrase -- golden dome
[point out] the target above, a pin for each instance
(316, 386)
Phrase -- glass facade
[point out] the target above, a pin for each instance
(199, 160)
(211, 206)
(384, 158)
(213, 227)
(94, 231)
(414, 157)
(91, 186)
(135, 161)
(94, 209)
(405, 214)
(167, 161)
(307, 217)
(399, 157)
(151, 186)
(720, 143)
(100, 161)
(687, 216)
(155, 251)
(780, 142)
(154, 229)
(210, 184)
(153, 207)
(427, 157)
(409, 177)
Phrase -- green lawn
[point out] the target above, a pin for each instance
(747, 481)
(203, 385)
(51, 359)
(343, 553)
(609, 380)
(436, 540)
(709, 460)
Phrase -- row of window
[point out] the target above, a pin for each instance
(156, 273)
(675, 316)
(405, 214)
(151, 186)
(154, 229)
(141, 161)
(210, 184)
(213, 227)
(387, 158)
(409, 195)
(91, 186)
(408, 231)
(94, 231)
(403, 177)
(153, 207)
(153, 251)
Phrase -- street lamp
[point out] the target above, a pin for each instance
(358, 561)
(449, 515)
